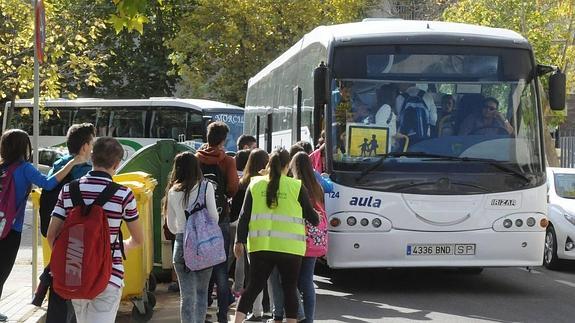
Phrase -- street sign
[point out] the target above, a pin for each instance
(40, 30)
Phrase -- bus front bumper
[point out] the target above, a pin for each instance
(398, 248)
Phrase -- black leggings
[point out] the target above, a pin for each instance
(261, 265)
(8, 249)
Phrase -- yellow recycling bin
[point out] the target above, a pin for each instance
(138, 280)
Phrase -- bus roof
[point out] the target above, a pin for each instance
(398, 31)
(196, 104)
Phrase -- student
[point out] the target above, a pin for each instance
(183, 189)
(16, 150)
(247, 142)
(106, 158)
(221, 170)
(267, 197)
(316, 242)
(257, 161)
(79, 140)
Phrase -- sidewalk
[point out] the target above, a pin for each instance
(17, 293)
(167, 309)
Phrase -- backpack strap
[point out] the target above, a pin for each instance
(202, 192)
(421, 93)
(194, 206)
(75, 194)
(107, 194)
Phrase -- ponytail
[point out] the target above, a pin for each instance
(278, 160)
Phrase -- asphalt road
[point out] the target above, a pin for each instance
(411, 295)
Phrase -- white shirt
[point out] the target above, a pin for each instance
(381, 119)
(176, 217)
(427, 98)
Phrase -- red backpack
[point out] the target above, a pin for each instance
(8, 208)
(81, 262)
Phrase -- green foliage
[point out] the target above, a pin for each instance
(221, 44)
(549, 25)
(71, 60)
(130, 14)
(139, 64)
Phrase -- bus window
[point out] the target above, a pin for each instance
(22, 119)
(194, 130)
(168, 123)
(55, 121)
(129, 123)
(103, 122)
(86, 115)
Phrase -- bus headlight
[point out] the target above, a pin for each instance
(507, 223)
(531, 221)
(351, 221)
(518, 223)
(364, 222)
(376, 222)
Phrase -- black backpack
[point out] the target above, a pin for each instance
(48, 200)
(214, 175)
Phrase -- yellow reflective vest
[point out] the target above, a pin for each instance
(279, 229)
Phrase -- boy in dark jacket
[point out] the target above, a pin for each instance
(221, 170)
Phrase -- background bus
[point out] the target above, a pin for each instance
(409, 190)
(136, 123)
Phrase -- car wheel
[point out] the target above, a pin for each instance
(550, 259)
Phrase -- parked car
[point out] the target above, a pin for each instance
(560, 237)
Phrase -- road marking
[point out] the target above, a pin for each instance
(564, 282)
(532, 271)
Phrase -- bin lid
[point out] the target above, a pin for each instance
(139, 177)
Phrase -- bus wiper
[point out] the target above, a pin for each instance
(370, 169)
(376, 165)
(490, 162)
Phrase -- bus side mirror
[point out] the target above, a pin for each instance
(320, 96)
(557, 90)
(320, 85)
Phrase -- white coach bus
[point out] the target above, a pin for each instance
(434, 139)
(136, 123)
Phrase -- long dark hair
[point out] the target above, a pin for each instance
(257, 161)
(15, 146)
(185, 174)
(301, 169)
(278, 160)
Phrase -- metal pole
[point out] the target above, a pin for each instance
(36, 130)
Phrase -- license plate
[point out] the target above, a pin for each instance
(446, 249)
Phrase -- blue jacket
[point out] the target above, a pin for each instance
(24, 176)
(78, 170)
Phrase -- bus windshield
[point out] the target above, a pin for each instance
(410, 109)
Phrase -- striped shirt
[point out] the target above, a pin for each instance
(121, 207)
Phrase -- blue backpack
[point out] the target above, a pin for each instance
(414, 117)
(203, 239)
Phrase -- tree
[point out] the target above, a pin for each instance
(70, 59)
(221, 44)
(138, 65)
(549, 26)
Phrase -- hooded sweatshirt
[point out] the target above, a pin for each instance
(227, 164)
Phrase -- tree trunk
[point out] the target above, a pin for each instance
(550, 152)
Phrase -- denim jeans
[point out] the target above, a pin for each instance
(193, 286)
(220, 278)
(278, 297)
(306, 287)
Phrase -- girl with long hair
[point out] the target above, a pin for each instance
(316, 236)
(15, 157)
(273, 216)
(182, 189)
